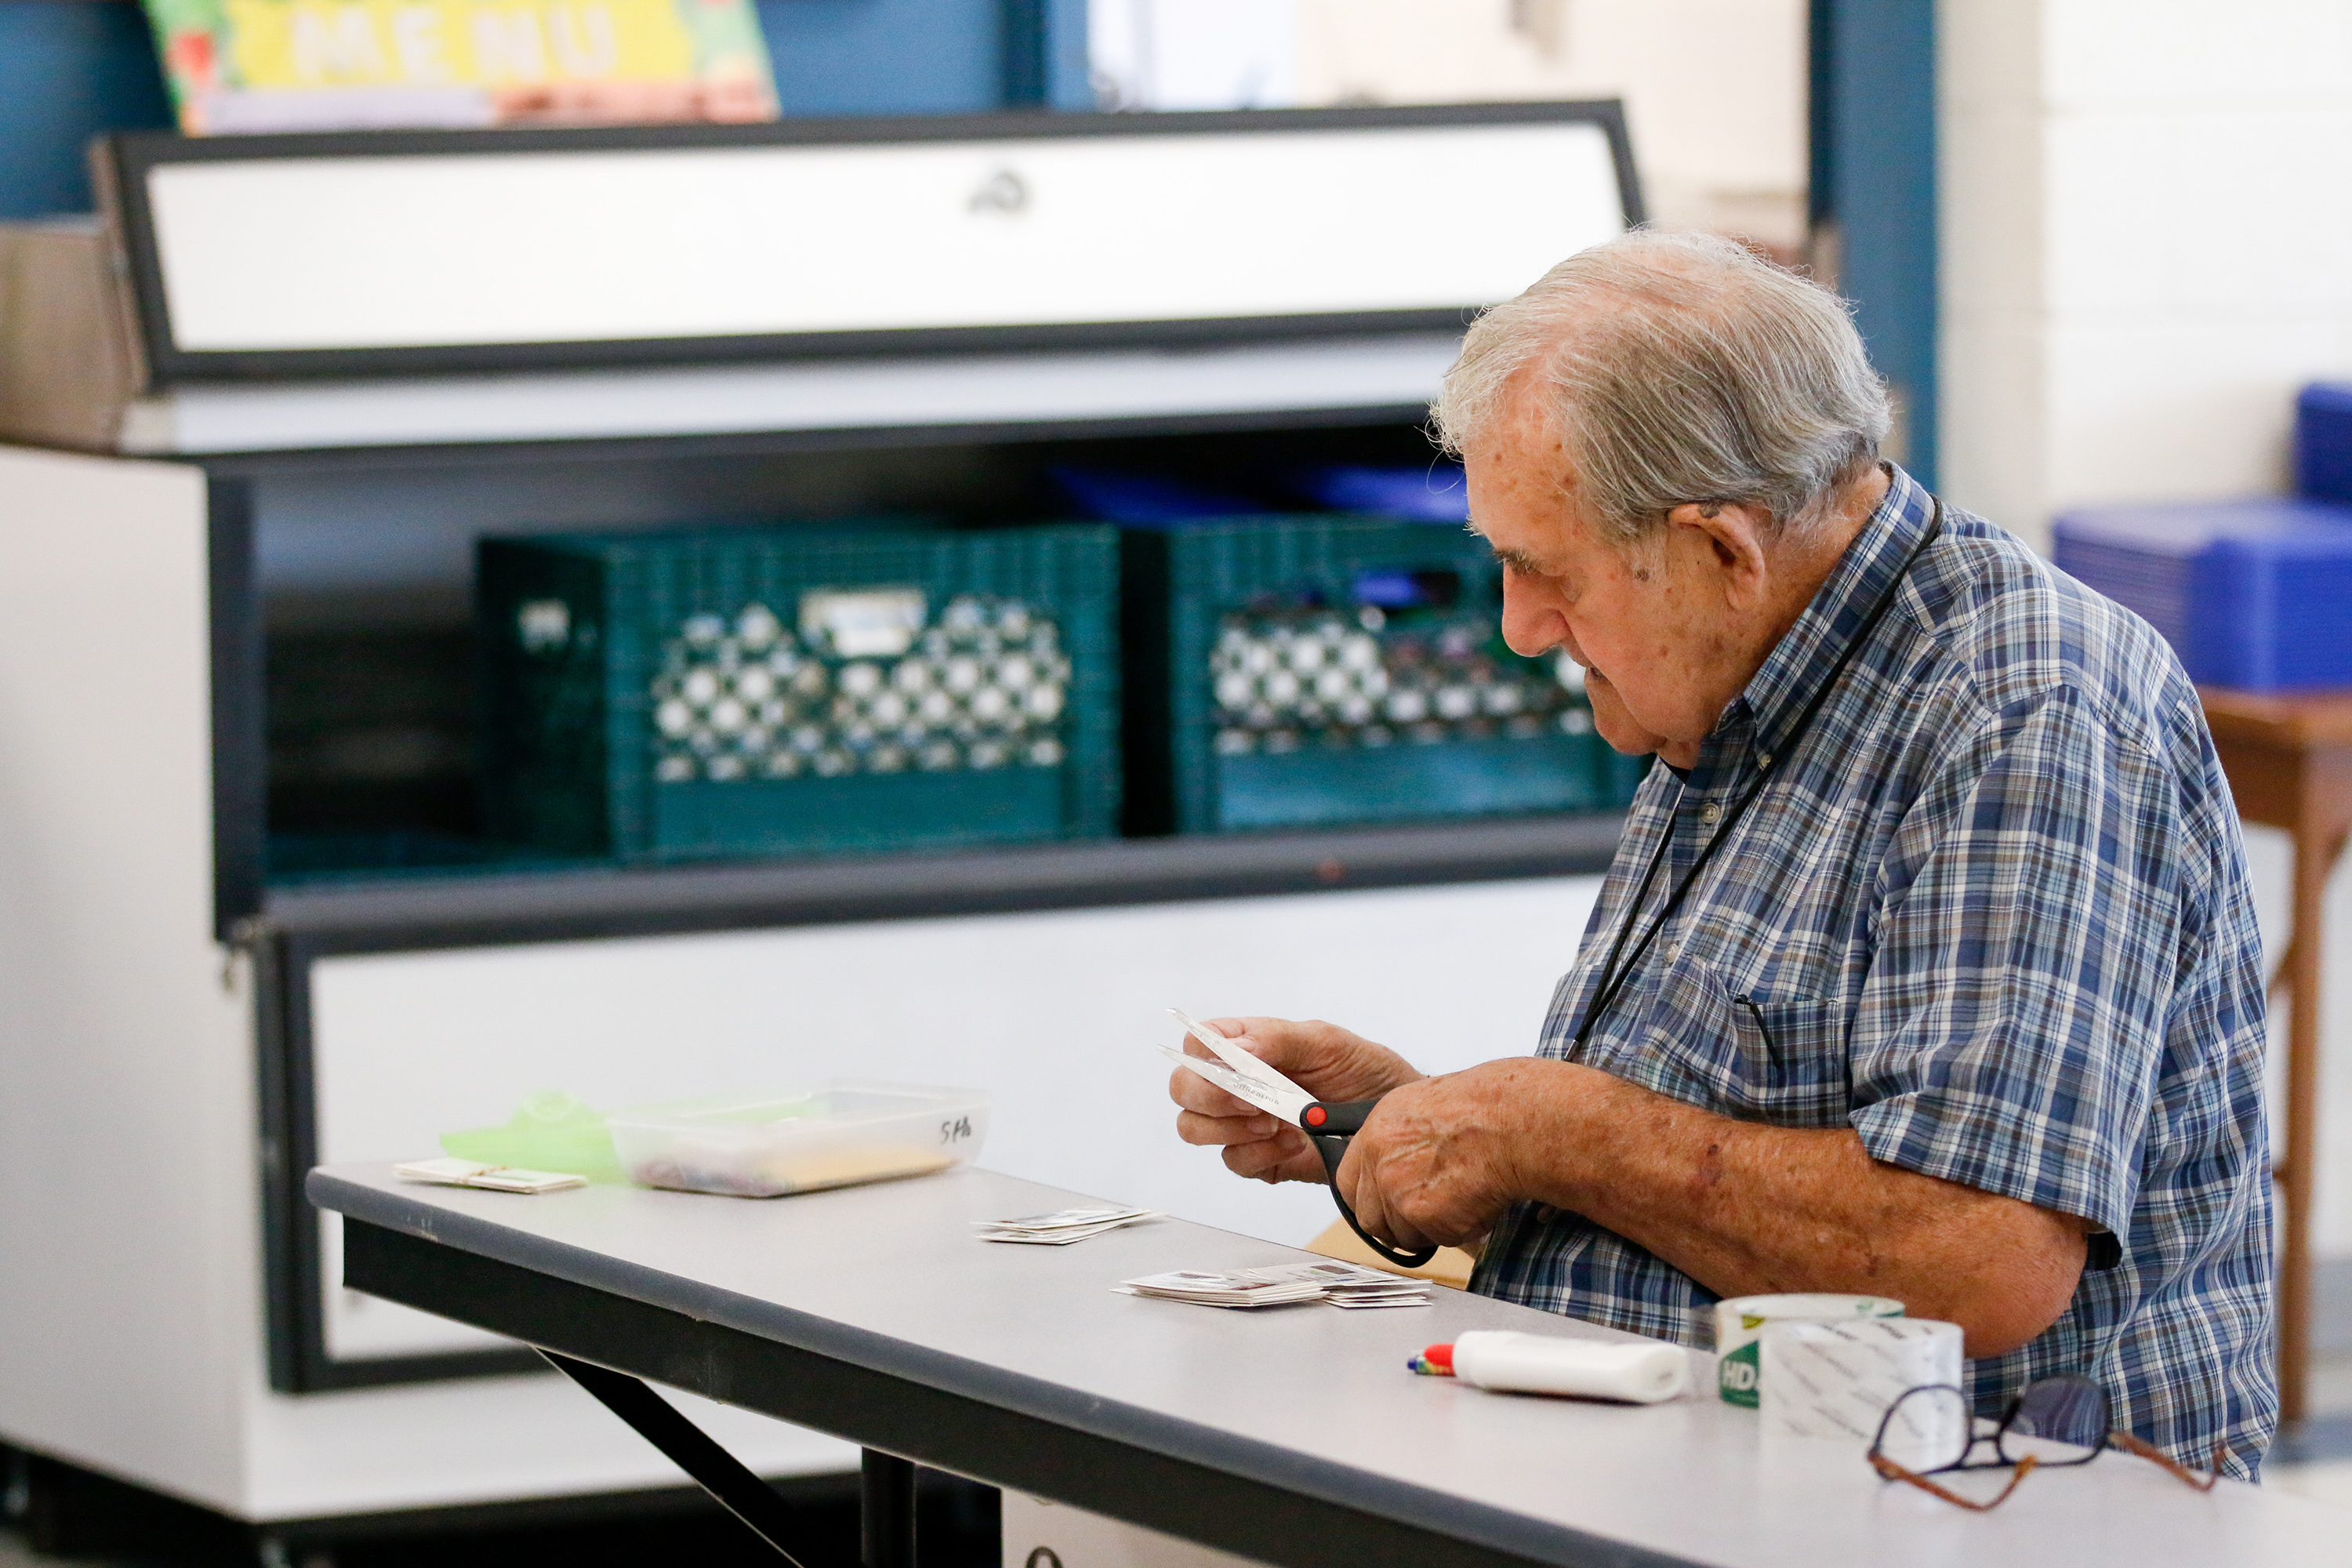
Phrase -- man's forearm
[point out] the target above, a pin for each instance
(1744, 1208)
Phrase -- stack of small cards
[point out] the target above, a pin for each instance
(1061, 1229)
(1341, 1284)
(1365, 1286)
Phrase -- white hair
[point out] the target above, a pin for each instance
(1679, 369)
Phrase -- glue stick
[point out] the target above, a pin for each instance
(1639, 1371)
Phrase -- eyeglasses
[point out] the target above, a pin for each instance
(2055, 1422)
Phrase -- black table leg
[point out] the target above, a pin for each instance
(716, 1471)
(885, 1512)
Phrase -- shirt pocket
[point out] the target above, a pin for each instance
(1782, 1062)
(1793, 1061)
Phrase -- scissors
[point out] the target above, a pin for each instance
(1329, 1125)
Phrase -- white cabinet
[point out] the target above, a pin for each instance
(182, 1036)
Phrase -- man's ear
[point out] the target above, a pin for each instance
(1735, 536)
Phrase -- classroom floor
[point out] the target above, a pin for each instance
(2317, 1461)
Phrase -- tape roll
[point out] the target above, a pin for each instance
(1640, 1372)
(1839, 1379)
(1739, 1320)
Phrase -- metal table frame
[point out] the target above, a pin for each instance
(606, 1342)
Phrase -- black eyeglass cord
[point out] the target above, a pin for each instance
(1613, 978)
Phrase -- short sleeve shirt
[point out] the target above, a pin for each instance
(1991, 913)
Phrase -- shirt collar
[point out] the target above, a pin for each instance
(1863, 574)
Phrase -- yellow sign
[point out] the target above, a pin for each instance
(280, 65)
(438, 43)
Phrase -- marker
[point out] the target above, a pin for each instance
(1437, 1361)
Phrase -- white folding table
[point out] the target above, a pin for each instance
(1295, 1436)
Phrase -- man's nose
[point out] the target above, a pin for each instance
(1531, 626)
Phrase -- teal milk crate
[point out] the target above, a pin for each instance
(1297, 671)
(787, 691)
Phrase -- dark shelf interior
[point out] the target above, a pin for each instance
(371, 667)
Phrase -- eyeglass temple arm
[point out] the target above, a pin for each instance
(2147, 1450)
(1895, 1472)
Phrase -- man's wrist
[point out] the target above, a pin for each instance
(1546, 1118)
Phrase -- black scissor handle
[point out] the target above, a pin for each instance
(1328, 1126)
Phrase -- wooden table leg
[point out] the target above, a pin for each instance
(2303, 961)
(2288, 756)
(2316, 850)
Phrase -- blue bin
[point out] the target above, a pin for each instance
(2323, 442)
(1435, 492)
(2254, 595)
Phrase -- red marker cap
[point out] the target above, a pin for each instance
(1440, 1357)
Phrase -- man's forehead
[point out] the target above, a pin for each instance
(1517, 465)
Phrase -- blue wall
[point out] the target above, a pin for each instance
(70, 69)
(1874, 176)
(887, 56)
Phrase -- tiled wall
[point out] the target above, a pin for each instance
(1715, 89)
(2147, 249)
(2145, 243)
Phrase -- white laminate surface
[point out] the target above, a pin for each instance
(897, 1266)
(950, 391)
(613, 243)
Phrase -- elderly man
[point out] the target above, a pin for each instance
(1926, 967)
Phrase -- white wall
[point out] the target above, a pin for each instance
(2145, 241)
(1190, 54)
(1715, 89)
(2147, 249)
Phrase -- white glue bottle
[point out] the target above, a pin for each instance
(1639, 1371)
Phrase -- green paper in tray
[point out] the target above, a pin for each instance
(549, 1131)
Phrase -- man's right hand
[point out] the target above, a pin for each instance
(1327, 1061)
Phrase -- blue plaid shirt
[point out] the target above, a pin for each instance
(1992, 914)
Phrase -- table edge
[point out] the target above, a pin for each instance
(1170, 1437)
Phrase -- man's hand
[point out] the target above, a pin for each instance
(1438, 1161)
(1742, 1207)
(1327, 1061)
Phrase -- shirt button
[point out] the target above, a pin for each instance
(1710, 813)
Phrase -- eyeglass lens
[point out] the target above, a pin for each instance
(2058, 1420)
(1926, 1429)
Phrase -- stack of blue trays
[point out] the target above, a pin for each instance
(2255, 594)
(2323, 442)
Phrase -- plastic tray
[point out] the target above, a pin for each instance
(2323, 442)
(798, 690)
(1291, 672)
(839, 1134)
(2254, 595)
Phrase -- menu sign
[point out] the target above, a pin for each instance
(318, 64)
